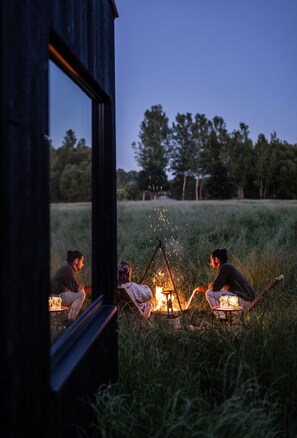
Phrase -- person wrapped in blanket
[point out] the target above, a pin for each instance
(228, 281)
(140, 293)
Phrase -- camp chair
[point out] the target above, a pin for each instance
(259, 296)
(127, 305)
(267, 288)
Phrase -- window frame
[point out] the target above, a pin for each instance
(68, 351)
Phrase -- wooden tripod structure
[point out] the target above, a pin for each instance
(161, 247)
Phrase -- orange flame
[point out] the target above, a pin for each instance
(162, 300)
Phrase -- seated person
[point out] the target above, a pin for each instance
(140, 293)
(65, 285)
(228, 281)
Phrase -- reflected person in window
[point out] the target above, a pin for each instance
(140, 293)
(65, 284)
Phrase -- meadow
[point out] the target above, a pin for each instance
(211, 380)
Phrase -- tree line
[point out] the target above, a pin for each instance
(205, 161)
(208, 162)
(70, 170)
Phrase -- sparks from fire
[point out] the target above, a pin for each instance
(162, 226)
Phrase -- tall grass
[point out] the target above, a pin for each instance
(260, 237)
(217, 381)
(207, 379)
(187, 384)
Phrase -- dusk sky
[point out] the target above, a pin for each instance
(232, 58)
(236, 59)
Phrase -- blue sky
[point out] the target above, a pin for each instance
(70, 108)
(232, 58)
(236, 59)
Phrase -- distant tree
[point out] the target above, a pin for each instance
(55, 172)
(183, 151)
(287, 181)
(220, 130)
(215, 161)
(241, 163)
(85, 179)
(262, 151)
(75, 183)
(127, 187)
(81, 144)
(68, 180)
(218, 183)
(151, 151)
(70, 170)
(69, 139)
(201, 132)
(124, 177)
(223, 164)
(174, 188)
(282, 168)
(152, 180)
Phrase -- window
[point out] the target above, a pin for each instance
(70, 143)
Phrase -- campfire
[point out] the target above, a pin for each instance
(166, 299)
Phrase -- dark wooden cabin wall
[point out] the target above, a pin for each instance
(86, 27)
(24, 215)
(90, 36)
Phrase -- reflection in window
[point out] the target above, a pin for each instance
(70, 189)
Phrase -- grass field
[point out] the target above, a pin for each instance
(260, 237)
(221, 381)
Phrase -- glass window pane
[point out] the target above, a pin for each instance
(70, 198)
